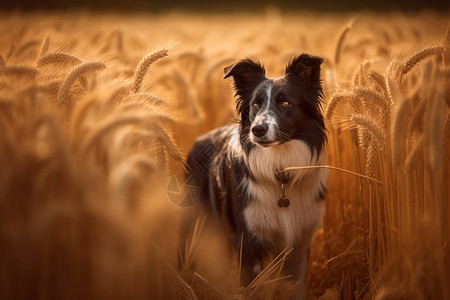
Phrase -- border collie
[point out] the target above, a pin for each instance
(237, 166)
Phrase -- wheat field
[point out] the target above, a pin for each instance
(98, 111)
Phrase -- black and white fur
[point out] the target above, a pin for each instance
(280, 125)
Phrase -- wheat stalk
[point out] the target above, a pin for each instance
(143, 67)
(18, 71)
(414, 153)
(76, 73)
(417, 117)
(400, 121)
(58, 58)
(435, 131)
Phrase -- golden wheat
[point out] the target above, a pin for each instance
(143, 67)
(76, 73)
(373, 129)
(83, 184)
(340, 42)
(418, 56)
(58, 58)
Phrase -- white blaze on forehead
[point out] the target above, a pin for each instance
(268, 95)
(266, 116)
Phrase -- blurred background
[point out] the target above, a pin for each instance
(230, 5)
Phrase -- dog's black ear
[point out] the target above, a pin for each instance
(306, 68)
(247, 74)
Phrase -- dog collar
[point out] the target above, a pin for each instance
(283, 202)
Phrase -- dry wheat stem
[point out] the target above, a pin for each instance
(414, 153)
(398, 130)
(143, 67)
(75, 74)
(435, 131)
(273, 266)
(330, 168)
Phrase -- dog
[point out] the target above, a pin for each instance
(238, 167)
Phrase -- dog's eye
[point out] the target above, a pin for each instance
(256, 106)
(285, 104)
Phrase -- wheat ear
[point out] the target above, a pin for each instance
(165, 139)
(370, 95)
(359, 78)
(375, 131)
(340, 42)
(58, 58)
(379, 81)
(145, 98)
(371, 160)
(418, 56)
(161, 156)
(76, 73)
(333, 103)
(143, 67)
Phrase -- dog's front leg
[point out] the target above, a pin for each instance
(297, 265)
(250, 253)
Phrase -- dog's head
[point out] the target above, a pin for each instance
(274, 111)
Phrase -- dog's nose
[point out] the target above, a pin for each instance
(260, 129)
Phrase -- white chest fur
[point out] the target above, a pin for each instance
(264, 218)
